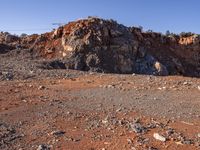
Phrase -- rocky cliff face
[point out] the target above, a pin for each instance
(100, 45)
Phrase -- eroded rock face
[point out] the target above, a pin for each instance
(104, 46)
(100, 45)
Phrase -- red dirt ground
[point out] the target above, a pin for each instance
(37, 108)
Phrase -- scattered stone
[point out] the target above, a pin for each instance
(198, 87)
(186, 83)
(188, 123)
(133, 74)
(187, 141)
(110, 86)
(105, 121)
(8, 135)
(169, 132)
(58, 133)
(119, 109)
(133, 148)
(159, 137)
(198, 135)
(152, 148)
(179, 143)
(136, 120)
(129, 141)
(138, 128)
(8, 75)
(160, 69)
(162, 88)
(141, 140)
(43, 147)
(41, 87)
(69, 113)
(76, 140)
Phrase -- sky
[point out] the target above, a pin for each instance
(38, 16)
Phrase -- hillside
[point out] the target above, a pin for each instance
(100, 45)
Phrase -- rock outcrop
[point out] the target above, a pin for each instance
(99, 45)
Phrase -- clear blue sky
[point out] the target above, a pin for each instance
(31, 16)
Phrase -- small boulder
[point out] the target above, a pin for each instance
(159, 137)
(160, 69)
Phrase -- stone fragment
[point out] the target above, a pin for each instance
(138, 128)
(159, 137)
(43, 147)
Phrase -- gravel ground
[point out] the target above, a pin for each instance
(42, 107)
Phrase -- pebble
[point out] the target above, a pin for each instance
(169, 132)
(133, 148)
(138, 128)
(110, 86)
(198, 135)
(129, 141)
(8, 75)
(43, 147)
(185, 83)
(119, 109)
(105, 121)
(58, 133)
(188, 142)
(133, 74)
(179, 143)
(159, 137)
(69, 113)
(198, 88)
(41, 87)
(152, 148)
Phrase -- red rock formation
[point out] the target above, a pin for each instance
(106, 46)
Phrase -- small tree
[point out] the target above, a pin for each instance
(141, 28)
(23, 35)
(150, 31)
(185, 34)
(167, 33)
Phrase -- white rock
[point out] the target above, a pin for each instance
(159, 137)
(198, 135)
(198, 87)
(133, 74)
(105, 121)
(64, 54)
(110, 86)
(41, 87)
